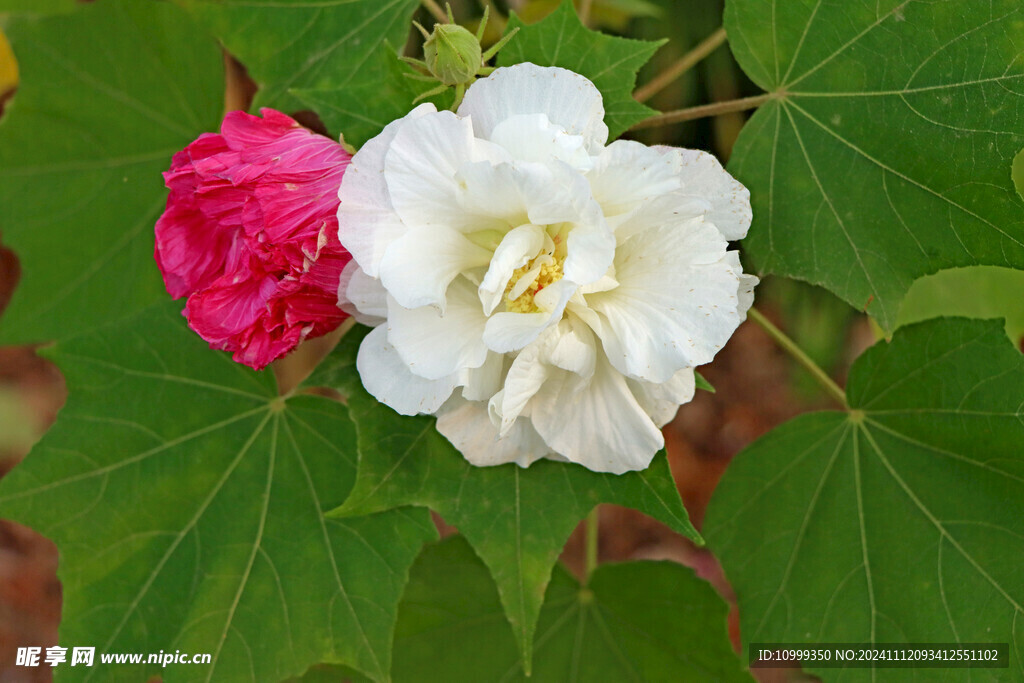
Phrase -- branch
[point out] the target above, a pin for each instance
(684, 64)
(705, 110)
(798, 354)
(585, 11)
(436, 11)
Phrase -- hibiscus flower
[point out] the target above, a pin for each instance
(545, 294)
(250, 235)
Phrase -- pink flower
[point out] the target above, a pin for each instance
(250, 235)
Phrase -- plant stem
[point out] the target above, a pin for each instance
(791, 347)
(684, 64)
(713, 109)
(590, 558)
(436, 11)
(585, 11)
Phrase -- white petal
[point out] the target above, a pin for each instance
(532, 137)
(676, 303)
(629, 173)
(506, 195)
(367, 221)
(556, 192)
(669, 209)
(515, 251)
(418, 267)
(704, 177)
(421, 164)
(436, 344)
(491, 193)
(602, 427)
(591, 249)
(747, 284)
(661, 401)
(386, 376)
(361, 296)
(642, 187)
(568, 99)
(480, 384)
(574, 348)
(507, 332)
(524, 379)
(570, 346)
(746, 294)
(606, 283)
(467, 425)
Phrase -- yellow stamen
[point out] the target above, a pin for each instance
(530, 279)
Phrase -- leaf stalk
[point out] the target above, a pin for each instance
(680, 66)
(591, 527)
(801, 357)
(584, 13)
(435, 10)
(705, 110)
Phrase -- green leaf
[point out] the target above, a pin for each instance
(18, 430)
(610, 62)
(1017, 173)
(360, 111)
(38, 7)
(637, 621)
(883, 156)
(82, 146)
(902, 521)
(976, 292)
(632, 8)
(301, 45)
(329, 673)
(703, 383)
(186, 500)
(517, 519)
(612, 14)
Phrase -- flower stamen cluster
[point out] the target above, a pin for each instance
(527, 281)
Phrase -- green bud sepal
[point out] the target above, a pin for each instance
(453, 56)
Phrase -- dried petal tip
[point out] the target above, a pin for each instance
(249, 235)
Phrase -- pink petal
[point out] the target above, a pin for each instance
(228, 308)
(190, 251)
(250, 235)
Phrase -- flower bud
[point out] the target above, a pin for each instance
(452, 54)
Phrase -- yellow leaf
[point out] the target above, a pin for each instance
(8, 66)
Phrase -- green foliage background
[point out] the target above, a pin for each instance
(197, 509)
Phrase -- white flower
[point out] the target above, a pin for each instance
(543, 294)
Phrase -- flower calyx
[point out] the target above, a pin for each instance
(453, 56)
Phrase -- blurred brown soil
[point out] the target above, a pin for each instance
(30, 595)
